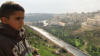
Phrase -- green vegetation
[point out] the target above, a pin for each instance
(65, 33)
(92, 38)
(45, 48)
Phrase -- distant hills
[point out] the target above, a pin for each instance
(33, 17)
(62, 19)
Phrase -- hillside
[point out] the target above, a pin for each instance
(45, 47)
(87, 41)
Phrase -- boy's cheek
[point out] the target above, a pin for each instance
(16, 25)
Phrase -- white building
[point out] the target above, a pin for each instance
(91, 24)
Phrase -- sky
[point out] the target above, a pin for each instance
(58, 6)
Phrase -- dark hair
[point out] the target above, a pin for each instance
(8, 8)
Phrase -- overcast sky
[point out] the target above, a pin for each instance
(58, 6)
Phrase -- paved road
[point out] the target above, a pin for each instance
(59, 42)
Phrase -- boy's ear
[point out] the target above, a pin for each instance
(4, 20)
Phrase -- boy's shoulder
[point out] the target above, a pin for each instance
(5, 42)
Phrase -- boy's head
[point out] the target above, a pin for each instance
(12, 14)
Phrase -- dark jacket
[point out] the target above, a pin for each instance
(12, 42)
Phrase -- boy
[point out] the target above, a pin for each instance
(12, 40)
